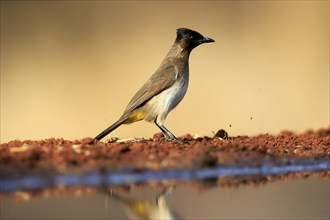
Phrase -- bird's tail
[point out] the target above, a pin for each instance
(110, 128)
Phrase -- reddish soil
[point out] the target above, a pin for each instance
(52, 156)
(58, 155)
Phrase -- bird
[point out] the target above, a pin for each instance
(165, 89)
(157, 208)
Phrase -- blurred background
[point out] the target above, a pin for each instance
(69, 68)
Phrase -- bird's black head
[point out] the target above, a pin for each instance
(190, 39)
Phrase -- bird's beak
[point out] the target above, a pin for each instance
(207, 40)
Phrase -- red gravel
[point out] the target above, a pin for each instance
(57, 155)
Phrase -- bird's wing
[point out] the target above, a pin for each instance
(159, 81)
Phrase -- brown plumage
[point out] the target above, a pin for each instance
(165, 88)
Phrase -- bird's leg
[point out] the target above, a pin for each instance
(168, 135)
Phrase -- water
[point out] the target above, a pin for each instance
(290, 199)
(209, 193)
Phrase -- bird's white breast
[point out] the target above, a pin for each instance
(160, 105)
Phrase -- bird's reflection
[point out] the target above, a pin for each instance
(155, 209)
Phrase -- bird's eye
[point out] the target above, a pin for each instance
(192, 37)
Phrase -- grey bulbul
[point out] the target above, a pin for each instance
(165, 88)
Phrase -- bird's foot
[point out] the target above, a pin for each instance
(173, 138)
(168, 135)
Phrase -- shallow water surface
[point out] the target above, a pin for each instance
(291, 199)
